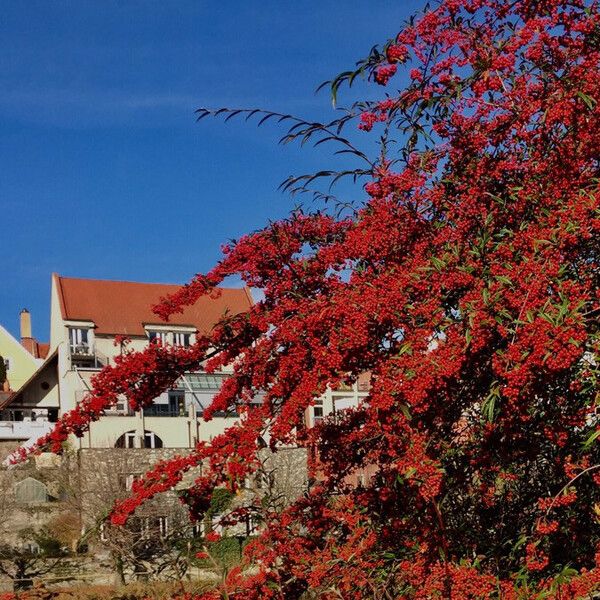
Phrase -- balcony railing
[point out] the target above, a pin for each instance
(83, 349)
(24, 430)
(161, 410)
(85, 356)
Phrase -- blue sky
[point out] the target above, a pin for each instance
(104, 172)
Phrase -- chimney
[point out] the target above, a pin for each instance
(25, 324)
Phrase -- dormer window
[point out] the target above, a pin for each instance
(158, 337)
(80, 341)
(82, 346)
(182, 336)
(181, 339)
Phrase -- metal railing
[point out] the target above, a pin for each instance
(85, 356)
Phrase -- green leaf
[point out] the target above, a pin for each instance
(405, 348)
(504, 279)
(405, 411)
(589, 101)
(488, 408)
(438, 263)
(409, 472)
(589, 442)
(468, 336)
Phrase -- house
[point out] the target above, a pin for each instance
(21, 359)
(87, 317)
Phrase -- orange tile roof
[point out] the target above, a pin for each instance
(124, 307)
(35, 348)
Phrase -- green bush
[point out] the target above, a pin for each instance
(227, 551)
(220, 501)
(49, 545)
(2, 371)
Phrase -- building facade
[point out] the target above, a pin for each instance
(87, 319)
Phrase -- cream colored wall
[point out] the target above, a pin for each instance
(105, 345)
(207, 430)
(36, 395)
(22, 364)
(175, 432)
(58, 333)
(105, 432)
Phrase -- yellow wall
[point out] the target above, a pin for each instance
(22, 364)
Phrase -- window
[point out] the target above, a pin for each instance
(163, 525)
(7, 364)
(177, 338)
(202, 381)
(102, 531)
(127, 440)
(150, 526)
(317, 411)
(182, 339)
(31, 548)
(79, 340)
(120, 408)
(151, 440)
(158, 337)
(174, 407)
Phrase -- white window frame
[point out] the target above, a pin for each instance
(129, 479)
(130, 439)
(150, 435)
(158, 336)
(179, 339)
(317, 405)
(76, 338)
(163, 525)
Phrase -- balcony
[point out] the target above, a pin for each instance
(26, 430)
(169, 404)
(159, 410)
(85, 356)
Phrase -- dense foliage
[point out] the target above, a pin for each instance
(3, 373)
(466, 284)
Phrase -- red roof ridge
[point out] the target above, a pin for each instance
(157, 283)
(61, 299)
